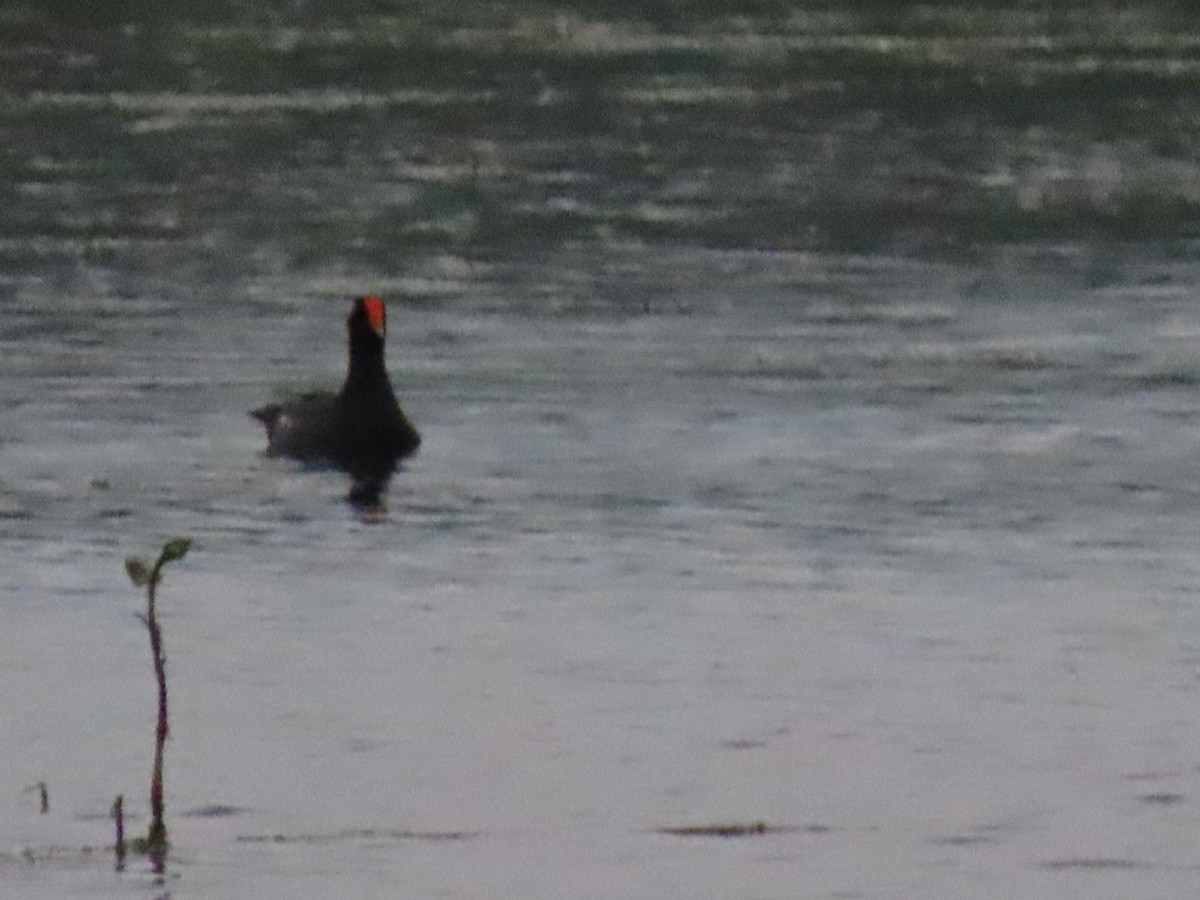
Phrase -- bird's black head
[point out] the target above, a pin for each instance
(369, 315)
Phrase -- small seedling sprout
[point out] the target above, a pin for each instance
(145, 575)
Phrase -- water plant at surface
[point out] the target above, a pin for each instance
(143, 574)
(118, 814)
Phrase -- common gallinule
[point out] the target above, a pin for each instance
(362, 428)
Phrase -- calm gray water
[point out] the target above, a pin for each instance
(762, 483)
(898, 558)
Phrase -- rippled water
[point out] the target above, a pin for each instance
(884, 560)
(896, 558)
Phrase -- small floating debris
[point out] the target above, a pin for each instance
(1097, 863)
(743, 744)
(725, 829)
(1163, 798)
(215, 811)
(963, 840)
(53, 855)
(356, 834)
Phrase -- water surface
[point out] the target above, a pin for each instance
(717, 520)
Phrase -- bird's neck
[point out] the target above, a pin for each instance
(366, 369)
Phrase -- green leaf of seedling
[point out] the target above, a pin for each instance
(137, 570)
(173, 550)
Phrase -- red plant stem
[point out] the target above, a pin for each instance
(158, 828)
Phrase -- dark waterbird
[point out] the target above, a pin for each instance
(361, 429)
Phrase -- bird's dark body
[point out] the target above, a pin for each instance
(361, 429)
